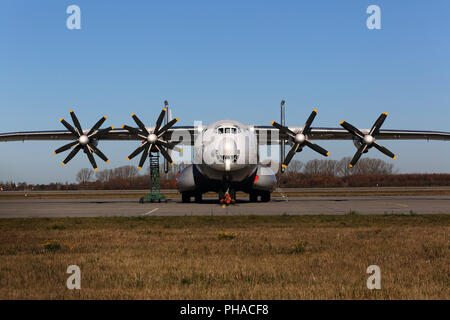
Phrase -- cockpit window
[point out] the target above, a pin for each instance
(232, 130)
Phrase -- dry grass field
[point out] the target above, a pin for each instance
(244, 257)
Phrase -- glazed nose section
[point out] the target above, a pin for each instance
(228, 151)
(227, 147)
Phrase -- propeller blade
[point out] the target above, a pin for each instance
(99, 153)
(65, 147)
(137, 151)
(103, 132)
(317, 148)
(159, 121)
(290, 155)
(71, 155)
(353, 130)
(166, 127)
(357, 155)
(91, 158)
(308, 123)
(140, 125)
(384, 150)
(377, 125)
(76, 122)
(134, 131)
(165, 154)
(169, 145)
(283, 129)
(69, 127)
(144, 155)
(97, 125)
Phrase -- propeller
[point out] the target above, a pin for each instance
(300, 139)
(86, 141)
(367, 140)
(152, 141)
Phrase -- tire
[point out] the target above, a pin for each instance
(233, 194)
(265, 196)
(185, 197)
(198, 197)
(253, 197)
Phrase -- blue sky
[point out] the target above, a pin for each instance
(222, 59)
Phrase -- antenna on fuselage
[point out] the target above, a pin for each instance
(282, 142)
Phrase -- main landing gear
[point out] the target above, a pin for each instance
(186, 196)
(265, 196)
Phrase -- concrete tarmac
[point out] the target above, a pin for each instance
(95, 207)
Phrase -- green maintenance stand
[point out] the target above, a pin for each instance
(155, 187)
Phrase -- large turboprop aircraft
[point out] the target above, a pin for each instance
(226, 157)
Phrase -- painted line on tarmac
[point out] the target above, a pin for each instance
(401, 205)
(150, 212)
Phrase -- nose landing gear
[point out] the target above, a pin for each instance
(227, 197)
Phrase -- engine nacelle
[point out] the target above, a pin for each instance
(265, 179)
(186, 179)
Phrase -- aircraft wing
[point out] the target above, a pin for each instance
(274, 136)
(271, 134)
(172, 135)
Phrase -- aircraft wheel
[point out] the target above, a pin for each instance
(253, 197)
(198, 197)
(233, 195)
(265, 196)
(185, 197)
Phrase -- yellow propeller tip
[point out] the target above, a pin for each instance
(63, 164)
(139, 168)
(341, 122)
(132, 114)
(176, 119)
(71, 111)
(60, 119)
(123, 126)
(107, 161)
(112, 127)
(54, 152)
(128, 158)
(328, 153)
(95, 169)
(315, 110)
(181, 150)
(351, 166)
(395, 157)
(164, 109)
(272, 123)
(284, 166)
(385, 113)
(172, 163)
(105, 117)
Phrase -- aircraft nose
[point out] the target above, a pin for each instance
(228, 148)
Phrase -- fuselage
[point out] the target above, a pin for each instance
(226, 155)
(227, 148)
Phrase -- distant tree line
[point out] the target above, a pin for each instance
(313, 173)
(367, 173)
